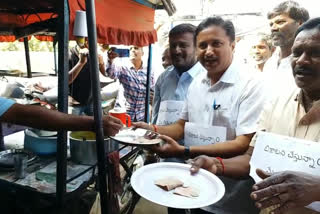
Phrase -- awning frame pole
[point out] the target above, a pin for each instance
(97, 109)
(27, 53)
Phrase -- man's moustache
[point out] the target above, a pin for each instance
(276, 34)
(305, 71)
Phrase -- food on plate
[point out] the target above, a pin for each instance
(168, 183)
(143, 140)
(137, 136)
(189, 191)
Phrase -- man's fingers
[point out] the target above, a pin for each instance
(111, 132)
(116, 126)
(166, 138)
(269, 191)
(113, 121)
(136, 124)
(116, 120)
(156, 149)
(196, 164)
(262, 174)
(278, 199)
(284, 208)
(141, 125)
(269, 181)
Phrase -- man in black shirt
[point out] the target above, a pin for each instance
(80, 77)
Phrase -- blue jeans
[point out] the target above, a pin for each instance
(80, 110)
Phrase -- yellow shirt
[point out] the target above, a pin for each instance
(282, 116)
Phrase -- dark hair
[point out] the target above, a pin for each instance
(217, 21)
(182, 28)
(266, 38)
(293, 9)
(309, 25)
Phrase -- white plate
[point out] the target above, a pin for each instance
(134, 137)
(211, 187)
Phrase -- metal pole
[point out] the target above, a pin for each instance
(92, 36)
(2, 148)
(63, 69)
(55, 56)
(146, 113)
(26, 48)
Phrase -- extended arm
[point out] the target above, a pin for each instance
(226, 149)
(42, 118)
(74, 72)
(237, 166)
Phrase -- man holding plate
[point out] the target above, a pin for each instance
(172, 85)
(219, 114)
(286, 191)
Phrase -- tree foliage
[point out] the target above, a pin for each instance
(34, 45)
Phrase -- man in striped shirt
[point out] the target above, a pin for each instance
(132, 74)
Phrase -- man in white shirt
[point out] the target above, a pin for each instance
(220, 112)
(261, 49)
(284, 21)
(285, 192)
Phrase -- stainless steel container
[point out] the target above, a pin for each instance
(83, 148)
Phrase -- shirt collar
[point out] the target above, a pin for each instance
(142, 68)
(193, 71)
(276, 56)
(230, 75)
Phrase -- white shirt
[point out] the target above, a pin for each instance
(278, 74)
(240, 96)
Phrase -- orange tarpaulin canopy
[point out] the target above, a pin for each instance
(118, 21)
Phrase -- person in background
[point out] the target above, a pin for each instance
(261, 49)
(289, 191)
(80, 88)
(222, 103)
(42, 118)
(166, 58)
(284, 21)
(133, 76)
(103, 51)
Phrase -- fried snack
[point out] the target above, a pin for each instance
(168, 183)
(189, 192)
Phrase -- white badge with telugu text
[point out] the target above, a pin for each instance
(169, 112)
(275, 153)
(198, 134)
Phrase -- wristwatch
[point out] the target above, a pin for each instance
(186, 152)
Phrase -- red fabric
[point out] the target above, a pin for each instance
(118, 21)
(12, 20)
(44, 38)
(7, 38)
(13, 38)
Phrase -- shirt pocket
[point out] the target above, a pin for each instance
(222, 117)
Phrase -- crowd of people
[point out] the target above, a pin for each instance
(206, 89)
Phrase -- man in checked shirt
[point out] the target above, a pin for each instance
(132, 74)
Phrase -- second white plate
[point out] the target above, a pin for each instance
(211, 187)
